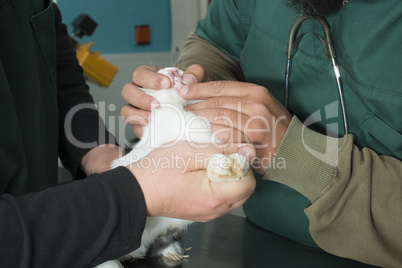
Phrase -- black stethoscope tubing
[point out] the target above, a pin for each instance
(328, 45)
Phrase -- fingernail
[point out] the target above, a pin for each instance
(183, 91)
(165, 83)
(155, 104)
(189, 79)
(247, 150)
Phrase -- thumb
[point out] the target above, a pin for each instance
(195, 74)
(248, 151)
(245, 149)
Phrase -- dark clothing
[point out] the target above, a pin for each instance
(28, 97)
(40, 82)
(80, 224)
(72, 94)
(76, 225)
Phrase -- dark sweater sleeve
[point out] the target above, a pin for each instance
(80, 224)
(80, 127)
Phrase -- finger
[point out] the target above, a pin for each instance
(132, 115)
(138, 130)
(237, 191)
(239, 203)
(227, 134)
(196, 74)
(232, 194)
(136, 97)
(225, 117)
(231, 103)
(201, 91)
(146, 76)
(238, 105)
(255, 127)
(226, 196)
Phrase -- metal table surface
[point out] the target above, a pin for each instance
(232, 241)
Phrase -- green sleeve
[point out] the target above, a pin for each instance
(356, 194)
(199, 51)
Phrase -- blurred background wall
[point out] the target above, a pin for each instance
(170, 22)
(116, 21)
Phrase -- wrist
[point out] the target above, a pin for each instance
(305, 160)
(99, 158)
(148, 188)
(266, 156)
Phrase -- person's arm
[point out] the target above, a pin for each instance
(356, 195)
(356, 209)
(220, 65)
(101, 218)
(80, 224)
(80, 127)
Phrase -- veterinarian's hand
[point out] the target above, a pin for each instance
(175, 182)
(138, 109)
(242, 112)
(99, 158)
(196, 74)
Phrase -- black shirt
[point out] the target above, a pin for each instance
(80, 224)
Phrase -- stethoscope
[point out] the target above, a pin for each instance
(329, 51)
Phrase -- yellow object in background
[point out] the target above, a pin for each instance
(95, 67)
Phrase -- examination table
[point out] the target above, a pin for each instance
(233, 242)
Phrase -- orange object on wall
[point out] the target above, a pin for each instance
(142, 34)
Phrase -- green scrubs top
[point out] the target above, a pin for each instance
(366, 36)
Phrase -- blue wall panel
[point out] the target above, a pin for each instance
(116, 20)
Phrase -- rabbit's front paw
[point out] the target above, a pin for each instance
(227, 168)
